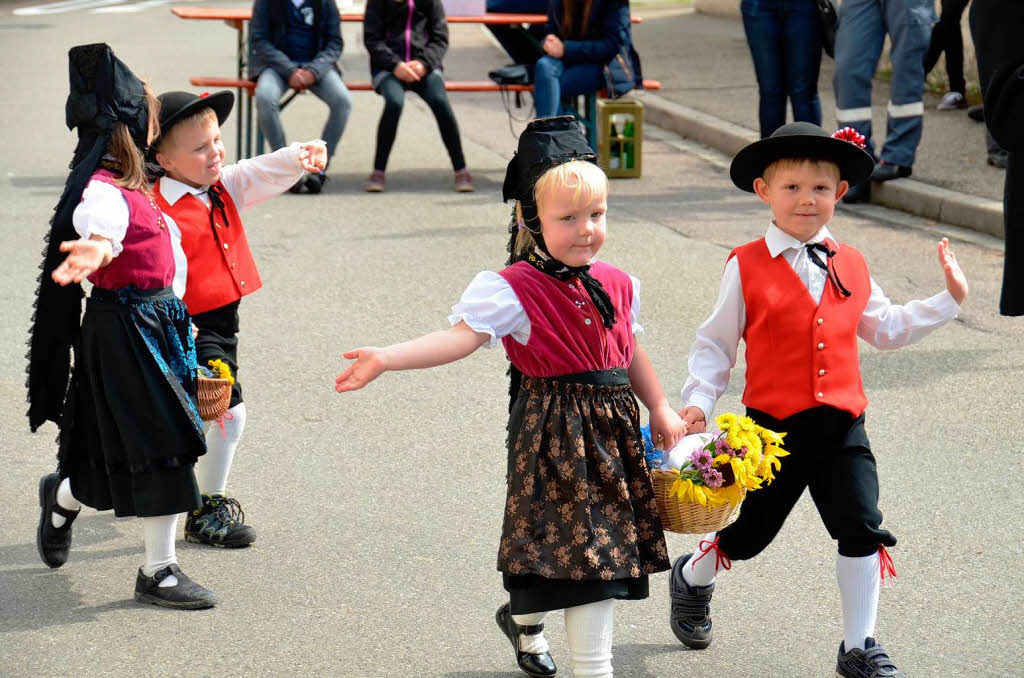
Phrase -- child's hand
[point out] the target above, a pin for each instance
(667, 428)
(195, 332)
(956, 281)
(370, 363)
(693, 417)
(405, 73)
(87, 256)
(313, 156)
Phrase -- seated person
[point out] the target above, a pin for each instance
(296, 44)
(521, 42)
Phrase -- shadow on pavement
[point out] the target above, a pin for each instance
(40, 598)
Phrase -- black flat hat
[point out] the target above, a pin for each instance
(545, 143)
(800, 140)
(176, 106)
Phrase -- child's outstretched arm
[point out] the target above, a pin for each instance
(86, 257)
(888, 326)
(430, 350)
(253, 180)
(666, 426)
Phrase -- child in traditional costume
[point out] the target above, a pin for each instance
(130, 430)
(201, 200)
(581, 527)
(800, 300)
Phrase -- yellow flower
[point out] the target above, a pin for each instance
(746, 423)
(222, 369)
(732, 494)
(725, 421)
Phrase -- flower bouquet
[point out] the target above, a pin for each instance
(701, 482)
(214, 389)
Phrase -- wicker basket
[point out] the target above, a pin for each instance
(214, 397)
(684, 517)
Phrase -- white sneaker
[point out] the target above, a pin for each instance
(951, 101)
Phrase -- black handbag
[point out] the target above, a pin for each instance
(513, 74)
(829, 24)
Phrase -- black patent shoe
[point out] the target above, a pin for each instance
(537, 665)
(53, 543)
(885, 172)
(220, 522)
(690, 616)
(185, 595)
(858, 193)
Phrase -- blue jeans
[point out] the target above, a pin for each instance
(863, 25)
(329, 89)
(552, 80)
(785, 42)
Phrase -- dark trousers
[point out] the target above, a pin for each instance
(784, 37)
(946, 37)
(431, 90)
(218, 340)
(829, 455)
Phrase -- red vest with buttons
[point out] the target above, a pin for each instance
(801, 354)
(221, 268)
(567, 335)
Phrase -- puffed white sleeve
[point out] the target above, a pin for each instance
(490, 306)
(103, 212)
(634, 309)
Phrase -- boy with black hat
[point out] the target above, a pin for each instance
(799, 300)
(201, 200)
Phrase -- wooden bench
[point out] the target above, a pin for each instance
(586, 113)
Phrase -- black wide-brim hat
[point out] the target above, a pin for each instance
(545, 143)
(176, 106)
(800, 140)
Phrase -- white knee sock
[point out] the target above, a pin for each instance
(66, 501)
(158, 534)
(703, 566)
(589, 631)
(213, 467)
(859, 580)
(537, 643)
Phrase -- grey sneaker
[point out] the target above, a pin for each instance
(690, 617)
(375, 182)
(952, 101)
(463, 181)
(185, 595)
(871, 662)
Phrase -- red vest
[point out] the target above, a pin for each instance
(566, 332)
(146, 260)
(221, 268)
(801, 354)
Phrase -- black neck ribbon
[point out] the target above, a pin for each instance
(830, 271)
(556, 269)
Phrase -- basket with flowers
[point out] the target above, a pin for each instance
(215, 384)
(701, 482)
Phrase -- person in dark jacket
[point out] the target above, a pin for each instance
(407, 41)
(296, 44)
(995, 28)
(582, 37)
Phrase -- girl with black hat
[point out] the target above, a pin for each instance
(130, 430)
(799, 300)
(581, 527)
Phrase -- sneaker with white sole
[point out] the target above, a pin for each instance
(871, 662)
(952, 101)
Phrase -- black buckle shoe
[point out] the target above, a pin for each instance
(53, 543)
(315, 182)
(885, 172)
(690, 616)
(220, 522)
(297, 186)
(185, 595)
(858, 193)
(871, 662)
(537, 665)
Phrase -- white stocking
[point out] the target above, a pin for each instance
(66, 501)
(537, 643)
(158, 534)
(859, 580)
(589, 631)
(213, 467)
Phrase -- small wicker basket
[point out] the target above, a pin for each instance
(214, 397)
(685, 517)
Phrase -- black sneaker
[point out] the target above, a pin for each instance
(185, 595)
(690, 617)
(53, 543)
(220, 522)
(536, 665)
(871, 662)
(315, 182)
(999, 159)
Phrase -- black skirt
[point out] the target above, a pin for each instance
(581, 523)
(218, 340)
(130, 430)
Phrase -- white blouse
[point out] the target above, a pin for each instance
(883, 324)
(103, 211)
(490, 306)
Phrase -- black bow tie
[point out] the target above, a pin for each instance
(830, 271)
(217, 203)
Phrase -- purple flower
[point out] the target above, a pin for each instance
(743, 452)
(701, 459)
(712, 477)
(722, 447)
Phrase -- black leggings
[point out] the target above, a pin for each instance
(946, 37)
(431, 90)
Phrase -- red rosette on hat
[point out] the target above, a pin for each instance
(851, 135)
